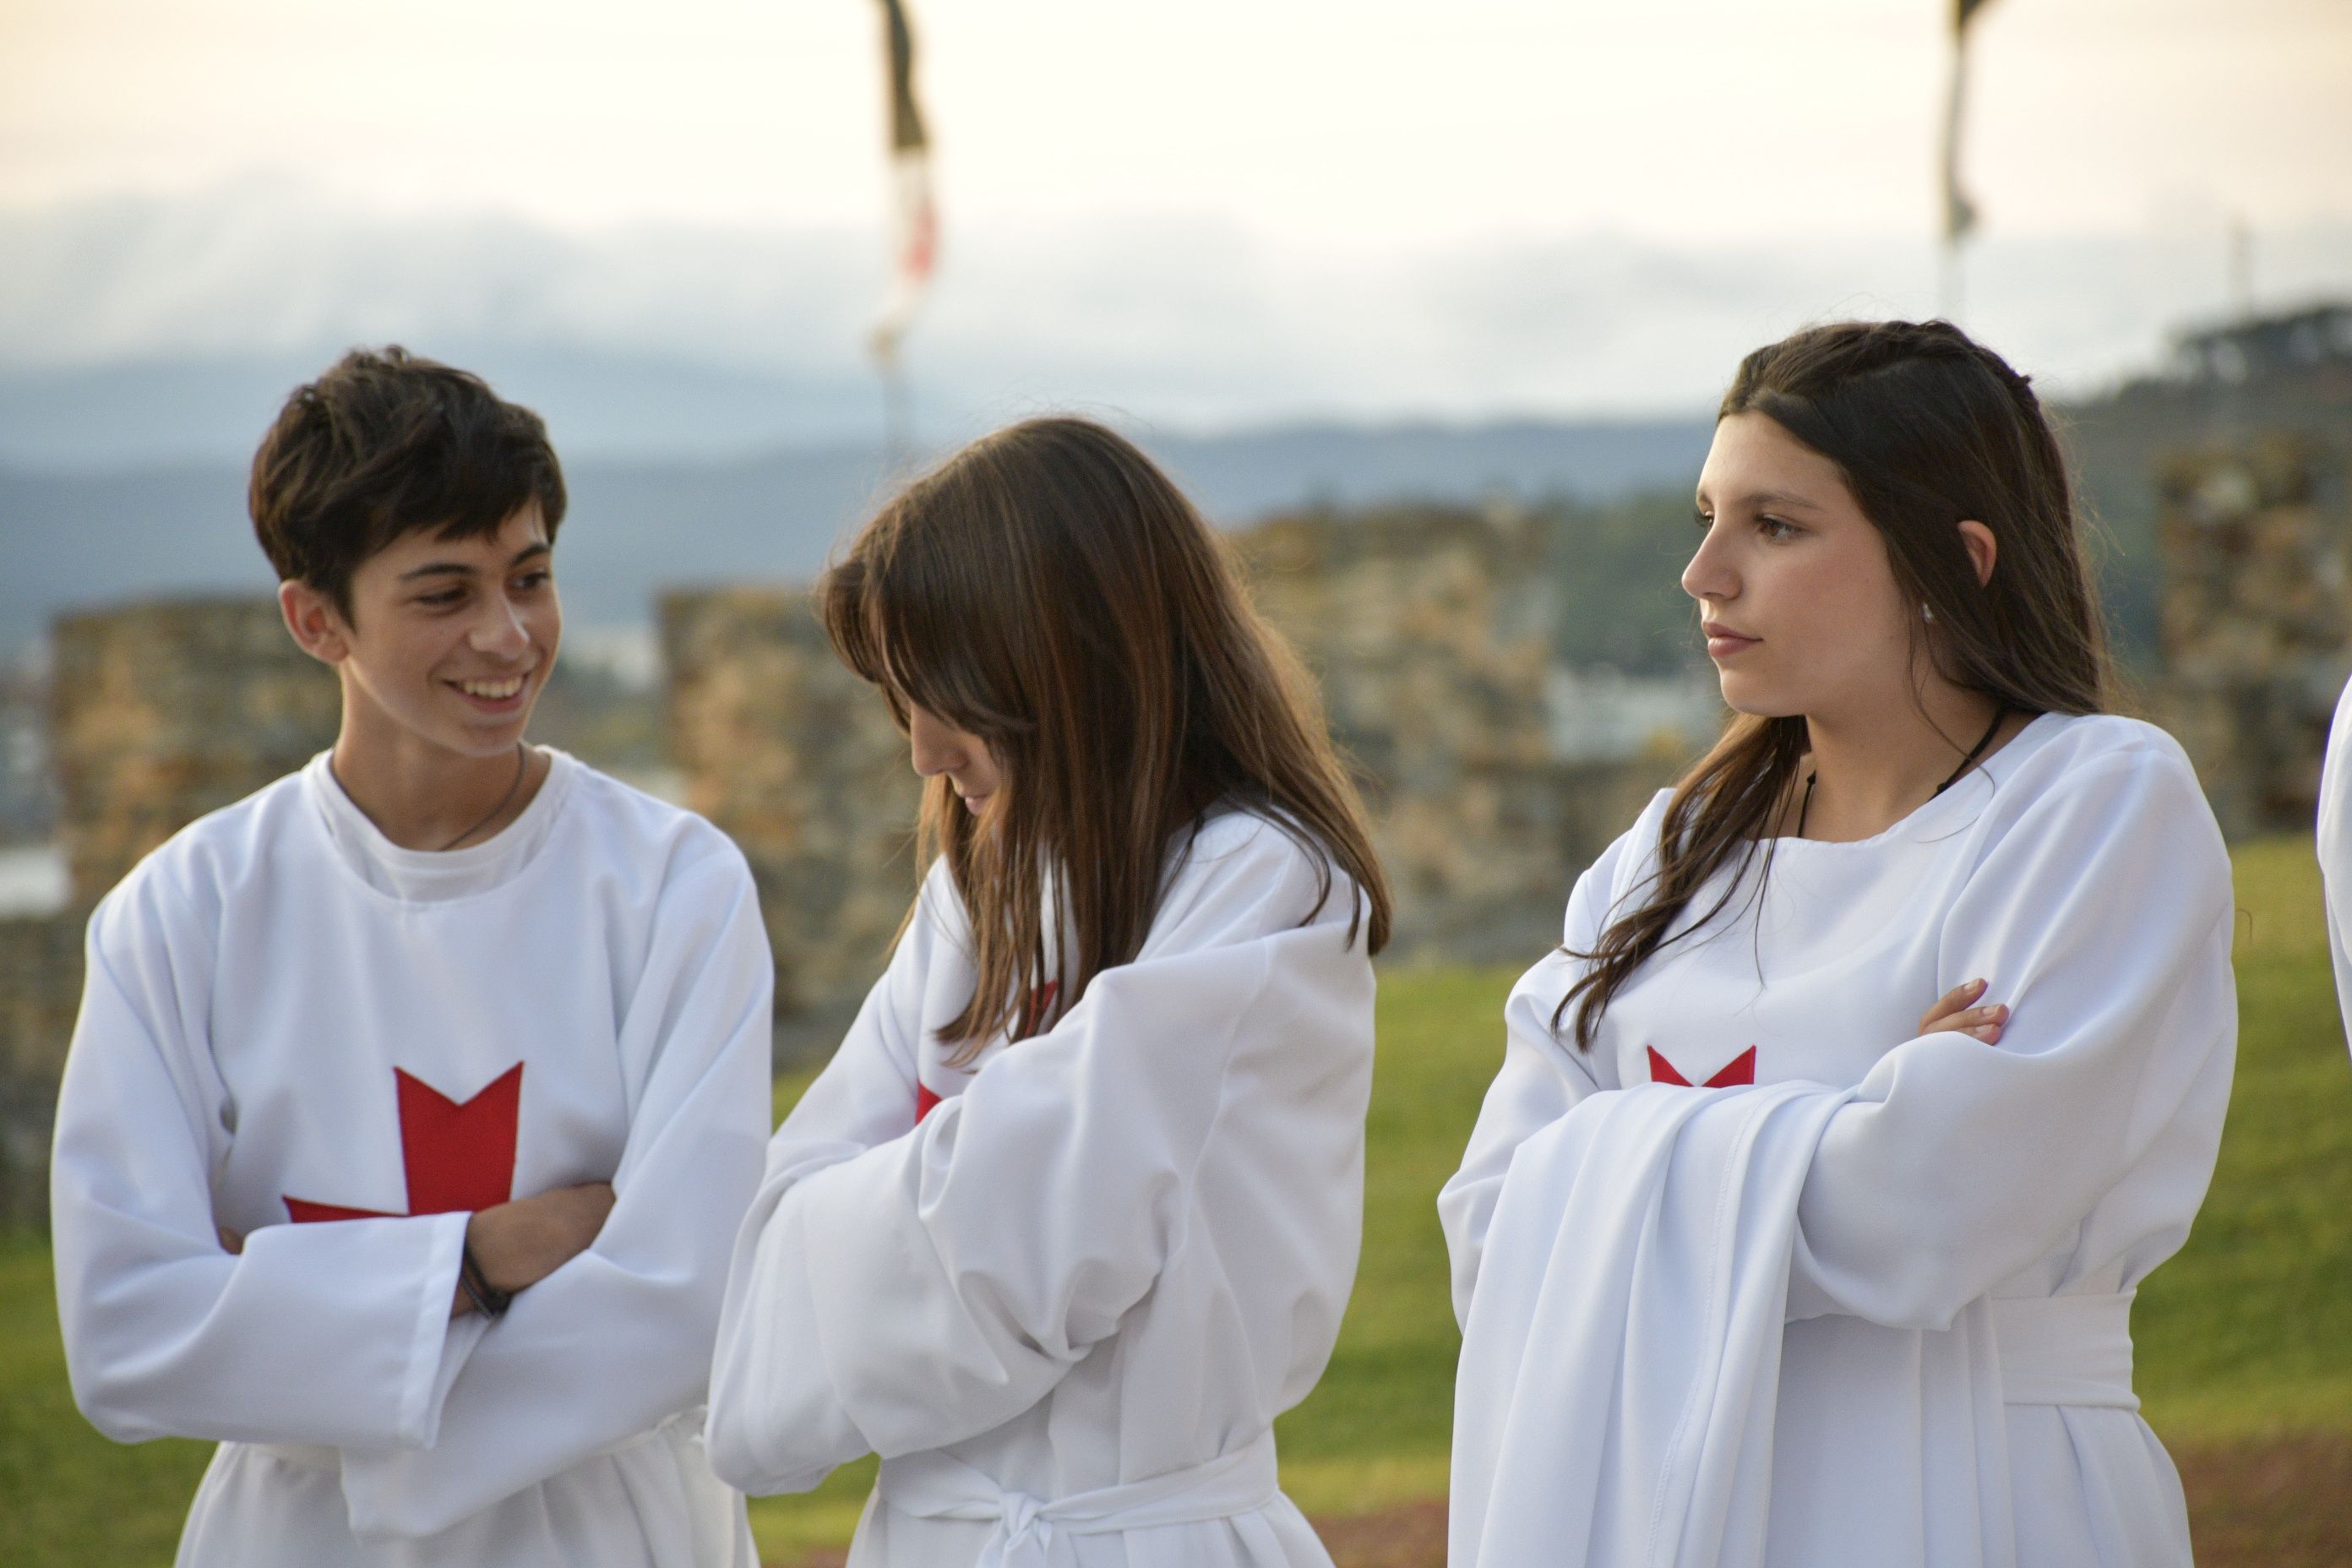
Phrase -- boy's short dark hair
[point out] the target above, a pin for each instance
(386, 443)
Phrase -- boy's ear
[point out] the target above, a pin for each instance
(312, 619)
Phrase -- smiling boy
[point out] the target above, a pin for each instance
(414, 1098)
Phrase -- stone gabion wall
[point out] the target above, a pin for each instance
(163, 712)
(1429, 631)
(797, 759)
(159, 712)
(2256, 623)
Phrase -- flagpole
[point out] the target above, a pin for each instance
(1959, 214)
(897, 422)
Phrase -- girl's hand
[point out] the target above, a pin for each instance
(1956, 1010)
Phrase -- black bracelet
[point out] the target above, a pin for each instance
(487, 1298)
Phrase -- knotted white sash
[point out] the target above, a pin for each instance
(1036, 1532)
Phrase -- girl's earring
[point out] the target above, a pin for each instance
(1926, 611)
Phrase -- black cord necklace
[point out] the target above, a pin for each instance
(522, 762)
(1805, 805)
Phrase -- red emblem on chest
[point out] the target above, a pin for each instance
(1033, 1018)
(1742, 1070)
(457, 1157)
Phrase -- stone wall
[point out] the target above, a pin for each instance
(798, 761)
(1430, 630)
(2256, 621)
(163, 712)
(159, 712)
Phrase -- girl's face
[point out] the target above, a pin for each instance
(940, 748)
(1796, 596)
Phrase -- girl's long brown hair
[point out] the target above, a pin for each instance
(1928, 428)
(1050, 591)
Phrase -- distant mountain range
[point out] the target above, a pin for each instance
(635, 527)
(709, 391)
(146, 330)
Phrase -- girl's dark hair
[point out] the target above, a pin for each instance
(387, 443)
(1050, 591)
(1928, 428)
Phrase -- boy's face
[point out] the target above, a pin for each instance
(449, 642)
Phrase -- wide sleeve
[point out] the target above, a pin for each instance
(2102, 918)
(2333, 839)
(1542, 1077)
(618, 1339)
(325, 1333)
(936, 1284)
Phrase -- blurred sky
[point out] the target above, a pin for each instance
(1382, 123)
(1219, 213)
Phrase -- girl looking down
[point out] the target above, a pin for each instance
(1072, 1213)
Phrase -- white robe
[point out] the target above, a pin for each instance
(1068, 1304)
(1896, 1331)
(288, 1016)
(2334, 846)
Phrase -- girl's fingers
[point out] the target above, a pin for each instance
(1968, 1020)
(1950, 1002)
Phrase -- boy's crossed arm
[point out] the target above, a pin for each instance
(518, 1244)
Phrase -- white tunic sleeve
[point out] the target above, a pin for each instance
(325, 1333)
(2102, 918)
(1543, 1073)
(908, 1294)
(2334, 841)
(617, 1340)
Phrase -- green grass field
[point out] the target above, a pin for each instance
(2246, 1335)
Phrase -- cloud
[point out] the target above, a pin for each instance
(1195, 323)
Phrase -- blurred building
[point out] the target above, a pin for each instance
(2266, 347)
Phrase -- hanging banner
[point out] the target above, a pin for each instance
(1959, 213)
(915, 224)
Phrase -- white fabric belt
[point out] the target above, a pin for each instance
(2065, 1350)
(1032, 1532)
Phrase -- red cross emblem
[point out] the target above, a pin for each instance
(1742, 1070)
(1033, 1018)
(458, 1157)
